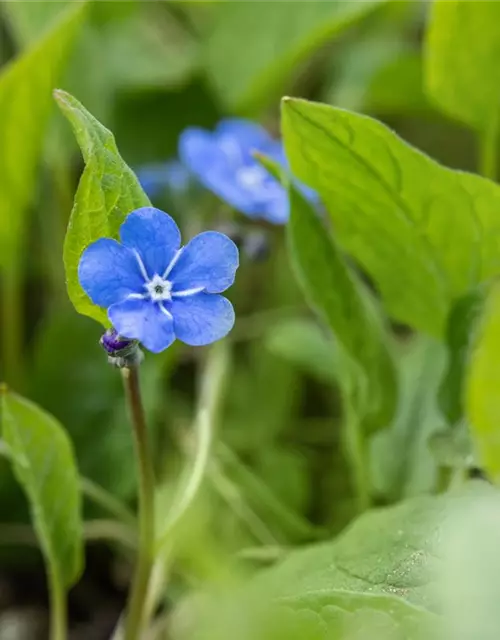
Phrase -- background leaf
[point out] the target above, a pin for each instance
(462, 60)
(333, 291)
(44, 465)
(288, 34)
(392, 205)
(25, 104)
(108, 191)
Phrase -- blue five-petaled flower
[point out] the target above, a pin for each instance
(155, 290)
(223, 162)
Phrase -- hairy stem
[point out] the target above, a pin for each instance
(58, 611)
(139, 590)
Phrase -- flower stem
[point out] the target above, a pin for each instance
(58, 612)
(488, 142)
(134, 614)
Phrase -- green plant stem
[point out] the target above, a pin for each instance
(107, 501)
(358, 457)
(58, 611)
(488, 145)
(12, 325)
(139, 590)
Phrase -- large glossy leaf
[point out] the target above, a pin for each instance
(424, 233)
(44, 465)
(340, 299)
(483, 377)
(108, 191)
(288, 32)
(26, 86)
(463, 60)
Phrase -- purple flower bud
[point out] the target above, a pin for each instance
(112, 342)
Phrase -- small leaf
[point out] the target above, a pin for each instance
(333, 290)
(425, 234)
(44, 465)
(288, 34)
(483, 380)
(107, 193)
(463, 60)
(25, 104)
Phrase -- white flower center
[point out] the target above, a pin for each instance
(252, 176)
(159, 289)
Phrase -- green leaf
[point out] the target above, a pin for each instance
(288, 34)
(392, 551)
(333, 290)
(44, 465)
(462, 56)
(25, 104)
(483, 378)
(392, 205)
(402, 464)
(107, 193)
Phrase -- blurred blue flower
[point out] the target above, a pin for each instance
(155, 290)
(223, 162)
(156, 177)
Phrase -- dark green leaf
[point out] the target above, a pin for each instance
(461, 324)
(44, 465)
(333, 290)
(424, 233)
(107, 192)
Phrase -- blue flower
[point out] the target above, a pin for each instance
(223, 162)
(155, 290)
(171, 175)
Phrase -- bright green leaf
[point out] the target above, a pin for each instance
(338, 296)
(44, 465)
(425, 234)
(482, 398)
(463, 60)
(107, 193)
(26, 87)
(288, 33)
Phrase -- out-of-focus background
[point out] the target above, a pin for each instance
(279, 477)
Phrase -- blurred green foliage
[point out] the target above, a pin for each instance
(398, 267)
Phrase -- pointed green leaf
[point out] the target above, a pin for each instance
(425, 234)
(482, 386)
(287, 34)
(340, 299)
(26, 86)
(44, 465)
(462, 69)
(107, 193)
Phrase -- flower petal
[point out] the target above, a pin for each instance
(200, 152)
(143, 320)
(202, 318)
(246, 134)
(154, 235)
(209, 260)
(108, 272)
